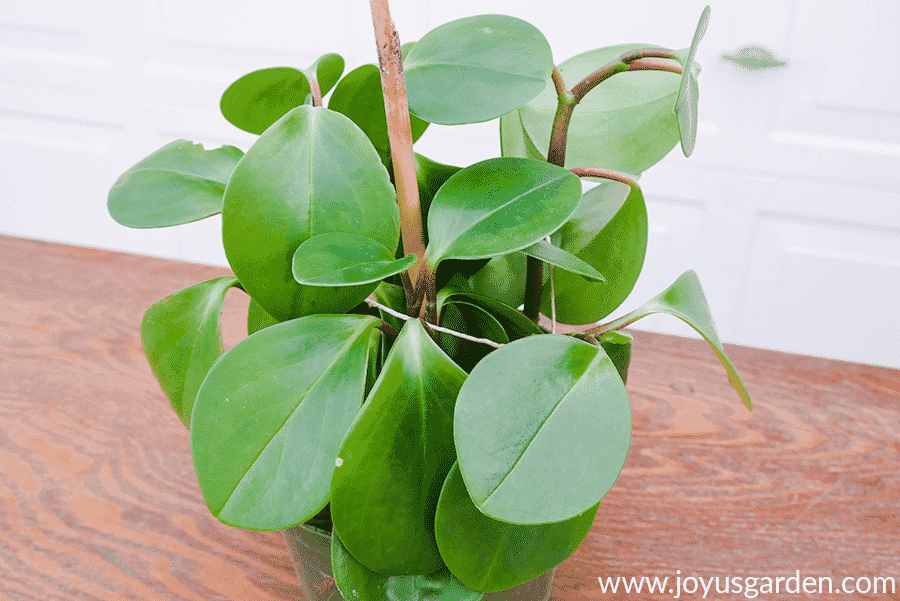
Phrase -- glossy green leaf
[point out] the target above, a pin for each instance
(489, 555)
(358, 96)
(179, 183)
(559, 257)
(430, 176)
(258, 319)
(608, 231)
(393, 461)
(499, 206)
(328, 69)
(270, 417)
(514, 323)
(515, 141)
(471, 319)
(313, 172)
(476, 69)
(342, 259)
(618, 346)
(542, 428)
(259, 99)
(689, 92)
(503, 279)
(626, 123)
(356, 582)
(182, 340)
(685, 300)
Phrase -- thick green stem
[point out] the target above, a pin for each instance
(399, 134)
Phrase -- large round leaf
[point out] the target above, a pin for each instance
(312, 172)
(476, 69)
(179, 183)
(608, 231)
(542, 428)
(358, 95)
(182, 340)
(499, 206)
(270, 416)
(342, 259)
(626, 123)
(393, 460)
(259, 99)
(356, 582)
(489, 555)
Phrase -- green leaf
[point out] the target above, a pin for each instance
(358, 96)
(618, 346)
(499, 206)
(514, 140)
(471, 319)
(430, 176)
(270, 417)
(342, 259)
(514, 323)
(503, 278)
(626, 123)
(542, 428)
(313, 172)
(179, 183)
(608, 231)
(182, 340)
(476, 69)
(489, 555)
(688, 93)
(259, 99)
(393, 461)
(328, 69)
(558, 257)
(356, 582)
(258, 319)
(685, 300)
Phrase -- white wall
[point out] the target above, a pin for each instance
(789, 210)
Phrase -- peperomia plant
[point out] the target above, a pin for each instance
(397, 381)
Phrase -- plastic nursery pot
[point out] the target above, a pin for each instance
(310, 546)
(311, 552)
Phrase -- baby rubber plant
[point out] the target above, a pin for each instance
(397, 384)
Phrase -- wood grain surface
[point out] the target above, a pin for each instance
(98, 498)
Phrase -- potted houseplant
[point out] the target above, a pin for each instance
(398, 387)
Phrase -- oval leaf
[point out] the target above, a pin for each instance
(626, 123)
(179, 183)
(328, 69)
(182, 340)
(270, 417)
(489, 555)
(558, 257)
(685, 300)
(394, 459)
(358, 96)
(259, 99)
(542, 428)
(499, 206)
(258, 319)
(341, 259)
(609, 232)
(471, 319)
(283, 192)
(356, 582)
(476, 69)
(689, 91)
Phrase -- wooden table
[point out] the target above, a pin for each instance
(98, 498)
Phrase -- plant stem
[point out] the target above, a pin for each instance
(399, 134)
(618, 176)
(399, 315)
(315, 90)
